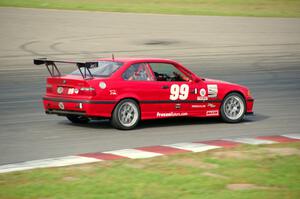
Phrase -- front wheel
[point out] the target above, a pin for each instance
(78, 119)
(126, 115)
(233, 108)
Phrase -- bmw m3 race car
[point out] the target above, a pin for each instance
(127, 90)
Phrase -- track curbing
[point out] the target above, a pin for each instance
(147, 152)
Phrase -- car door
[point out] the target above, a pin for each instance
(174, 90)
(142, 85)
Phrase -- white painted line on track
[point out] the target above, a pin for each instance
(252, 141)
(134, 153)
(50, 162)
(292, 135)
(195, 147)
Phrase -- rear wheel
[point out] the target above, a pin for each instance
(78, 119)
(126, 115)
(233, 108)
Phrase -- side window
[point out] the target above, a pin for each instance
(140, 71)
(168, 72)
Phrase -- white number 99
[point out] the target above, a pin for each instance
(174, 92)
(184, 92)
(181, 92)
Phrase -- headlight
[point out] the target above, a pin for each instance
(249, 93)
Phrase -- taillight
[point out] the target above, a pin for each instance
(87, 91)
(49, 88)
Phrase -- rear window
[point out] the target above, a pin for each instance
(104, 69)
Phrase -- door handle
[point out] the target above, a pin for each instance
(165, 87)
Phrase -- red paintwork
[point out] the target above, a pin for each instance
(163, 150)
(102, 156)
(146, 93)
(221, 143)
(278, 139)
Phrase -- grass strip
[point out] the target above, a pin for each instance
(266, 171)
(257, 8)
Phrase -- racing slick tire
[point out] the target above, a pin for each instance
(78, 119)
(233, 108)
(126, 115)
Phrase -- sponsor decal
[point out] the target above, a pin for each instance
(177, 106)
(212, 113)
(179, 92)
(60, 90)
(210, 105)
(112, 92)
(202, 98)
(71, 91)
(198, 106)
(202, 92)
(212, 90)
(170, 114)
(102, 85)
(61, 105)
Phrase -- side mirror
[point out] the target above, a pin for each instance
(197, 79)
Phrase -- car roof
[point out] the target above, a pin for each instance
(131, 59)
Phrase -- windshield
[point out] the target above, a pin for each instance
(104, 69)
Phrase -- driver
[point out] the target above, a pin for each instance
(139, 72)
(182, 77)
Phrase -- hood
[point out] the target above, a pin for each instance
(220, 82)
(216, 81)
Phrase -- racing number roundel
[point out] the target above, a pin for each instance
(179, 92)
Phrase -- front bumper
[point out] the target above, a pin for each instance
(249, 104)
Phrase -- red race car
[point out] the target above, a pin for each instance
(128, 90)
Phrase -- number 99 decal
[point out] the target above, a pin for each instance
(179, 92)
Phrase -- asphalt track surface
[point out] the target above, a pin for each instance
(262, 53)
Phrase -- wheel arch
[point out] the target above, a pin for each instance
(124, 98)
(225, 118)
(235, 91)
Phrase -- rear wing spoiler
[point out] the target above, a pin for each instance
(83, 67)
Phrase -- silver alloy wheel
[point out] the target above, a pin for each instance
(128, 114)
(234, 107)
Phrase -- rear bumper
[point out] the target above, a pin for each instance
(82, 107)
(64, 113)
